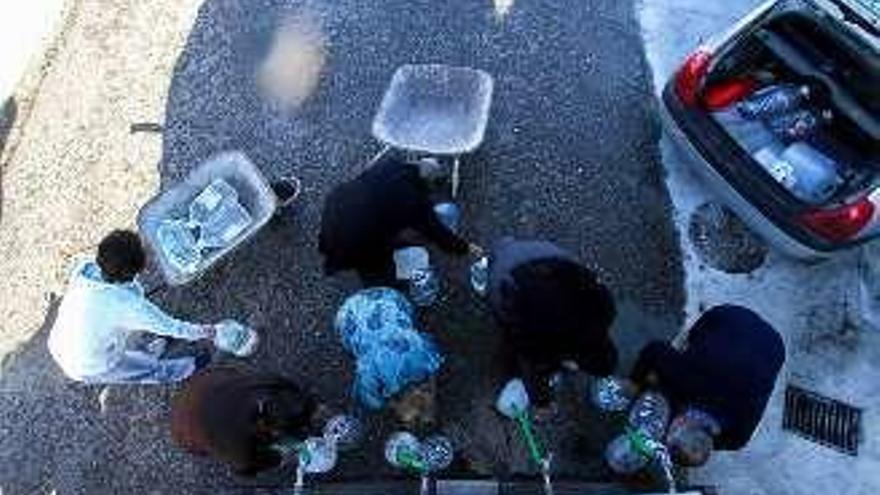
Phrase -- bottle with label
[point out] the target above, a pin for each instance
(799, 125)
(424, 288)
(773, 100)
(650, 414)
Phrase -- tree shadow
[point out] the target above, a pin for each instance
(7, 119)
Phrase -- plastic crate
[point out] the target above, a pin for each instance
(254, 194)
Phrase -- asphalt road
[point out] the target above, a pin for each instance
(570, 155)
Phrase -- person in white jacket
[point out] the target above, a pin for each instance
(103, 307)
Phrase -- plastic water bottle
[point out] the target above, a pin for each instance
(773, 100)
(178, 243)
(317, 455)
(403, 450)
(770, 159)
(437, 453)
(424, 287)
(206, 203)
(798, 125)
(480, 276)
(817, 177)
(235, 338)
(225, 224)
(611, 394)
(343, 430)
(650, 414)
(449, 215)
(622, 458)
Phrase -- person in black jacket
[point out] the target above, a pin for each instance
(553, 312)
(719, 385)
(363, 220)
(243, 418)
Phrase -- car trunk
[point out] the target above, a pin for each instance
(830, 158)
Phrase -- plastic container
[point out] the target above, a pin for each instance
(410, 260)
(449, 215)
(611, 394)
(178, 246)
(254, 194)
(318, 455)
(424, 288)
(480, 276)
(344, 430)
(403, 450)
(798, 125)
(437, 453)
(436, 109)
(773, 100)
(235, 338)
(650, 414)
(622, 458)
(816, 177)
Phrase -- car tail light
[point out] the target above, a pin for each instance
(725, 93)
(689, 79)
(840, 224)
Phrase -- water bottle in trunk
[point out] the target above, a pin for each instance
(773, 100)
(799, 125)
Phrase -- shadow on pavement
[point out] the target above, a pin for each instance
(7, 120)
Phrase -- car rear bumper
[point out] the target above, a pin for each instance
(731, 197)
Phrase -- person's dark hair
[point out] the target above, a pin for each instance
(121, 256)
(567, 305)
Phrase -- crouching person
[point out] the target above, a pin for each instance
(251, 421)
(104, 306)
(719, 385)
(394, 363)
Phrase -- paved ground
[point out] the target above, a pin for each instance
(815, 307)
(570, 155)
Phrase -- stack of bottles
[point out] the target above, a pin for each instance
(215, 220)
(779, 125)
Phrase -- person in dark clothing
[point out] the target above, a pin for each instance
(719, 385)
(363, 220)
(553, 312)
(242, 418)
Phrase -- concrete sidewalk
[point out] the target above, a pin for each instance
(26, 30)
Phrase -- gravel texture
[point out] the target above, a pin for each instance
(570, 155)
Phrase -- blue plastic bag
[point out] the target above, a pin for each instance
(376, 325)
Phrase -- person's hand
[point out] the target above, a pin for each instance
(476, 250)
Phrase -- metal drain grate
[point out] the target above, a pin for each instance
(822, 420)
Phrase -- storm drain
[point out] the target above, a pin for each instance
(822, 420)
